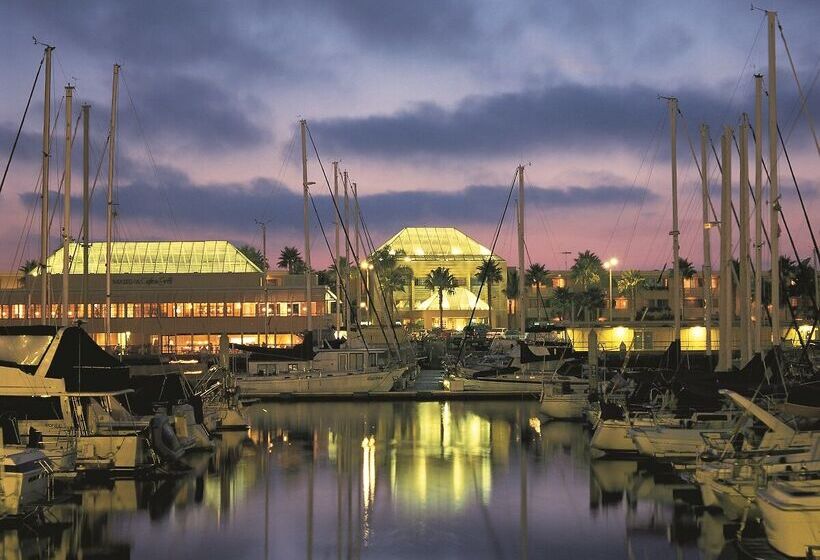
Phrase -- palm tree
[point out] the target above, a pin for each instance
(587, 270)
(489, 272)
(395, 280)
(27, 268)
(511, 291)
(592, 298)
(562, 299)
(537, 274)
(291, 258)
(440, 280)
(255, 256)
(391, 276)
(631, 281)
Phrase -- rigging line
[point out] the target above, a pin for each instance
(150, 154)
(352, 249)
(492, 252)
(803, 99)
(78, 244)
(547, 235)
(798, 109)
(635, 180)
(285, 161)
(381, 290)
(62, 177)
(22, 122)
(745, 65)
(643, 198)
(348, 301)
(799, 194)
(540, 295)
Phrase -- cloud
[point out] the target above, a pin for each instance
(171, 200)
(561, 118)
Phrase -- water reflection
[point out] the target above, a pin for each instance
(386, 480)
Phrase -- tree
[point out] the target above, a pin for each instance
(562, 299)
(630, 282)
(587, 269)
(537, 274)
(440, 280)
(592, 298)
(392, 276)
(511, 291)
(291, 258)
(255, 256)
(27, 268)
(489, 272)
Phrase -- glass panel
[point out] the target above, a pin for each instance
(26, 350)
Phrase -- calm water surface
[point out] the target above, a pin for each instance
(385, 480)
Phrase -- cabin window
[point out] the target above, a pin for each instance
(373, 360)
(342, 362)
(32, 408)
(293, 368)
(23, 350)
(359, 362)
(643, 340)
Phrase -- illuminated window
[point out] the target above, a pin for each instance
(559, 282)
(249, 309)
(216, 309)
(621, 303)
(18, 311)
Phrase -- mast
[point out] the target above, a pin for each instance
(347, 255)
(758, 300)
(109, 216)
(745, 279)
(66, 233)
(356, 253)
(707, 242)
(306, 192)
(44, 312)
(522, 283)
(338, 258)
(360, 245)
(86, 210)
(774, 191)
(727, 301)
(675, 233)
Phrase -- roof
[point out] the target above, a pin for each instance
(428, 243)
(156, 257)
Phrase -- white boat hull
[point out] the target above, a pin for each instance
(271, 386)
(565, 407)
(612, 436)
(792, 525)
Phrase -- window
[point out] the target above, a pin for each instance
(249, 309)
(373, 360)
(643, 340)
(559, 282)
(216, 309)
(342, 362)
(621, 303)
(358, 361)
(18, 311)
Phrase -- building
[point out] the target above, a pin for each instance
(427, 248)
(171, 296)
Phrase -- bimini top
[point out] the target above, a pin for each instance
(437, 243)
(156, 257)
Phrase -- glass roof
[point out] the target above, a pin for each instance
(432, 242)
(157, 257)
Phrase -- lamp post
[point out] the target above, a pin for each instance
(609, 265)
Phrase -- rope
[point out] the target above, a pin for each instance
(22, 121)
(803, 100)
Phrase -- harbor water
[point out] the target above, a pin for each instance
(458, 479)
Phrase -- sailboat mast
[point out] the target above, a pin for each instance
(522, 282)
(727, 302)
(306, 192)
(109, 215)
(675, 233)
(346, 279)
(86, 210)
(356, 254)
(745, 277)
(774, 190)
(758, 299)
(338, 258)
(707, 242)
(66, 233)
(44, 311)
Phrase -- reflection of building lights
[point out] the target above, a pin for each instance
(535, 424)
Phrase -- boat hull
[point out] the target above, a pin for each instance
(272, 386)
(791, 527)
(565, 407)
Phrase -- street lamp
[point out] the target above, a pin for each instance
(609, 265)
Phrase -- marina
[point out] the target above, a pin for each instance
(514, 368)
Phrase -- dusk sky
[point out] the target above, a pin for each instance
(430, 105)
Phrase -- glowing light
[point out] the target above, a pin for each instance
(697, 332)
(620, 332)
(418, 251)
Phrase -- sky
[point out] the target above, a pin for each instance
(430, 106)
